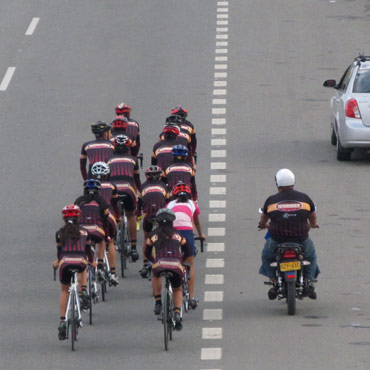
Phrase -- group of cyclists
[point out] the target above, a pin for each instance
(166, 202)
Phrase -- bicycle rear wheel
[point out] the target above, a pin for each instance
(165, 317)
(73, 320)
(122, 249)
(90, 295)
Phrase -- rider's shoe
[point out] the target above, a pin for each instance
(177, 318)
(100, 275)
(62, 330)
(309, 290)
(134, 254)
(113, 279)
(157, 308)
(84, 299)
(144, 272)
(193, 303)
(272, 293)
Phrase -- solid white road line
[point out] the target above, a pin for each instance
(214, 279)
(215, 247)
(217, 190)
(216, 217)
(31, 28)
(7, 77)
(215, 263)
(214, 296)
(212, 314)
(212, 333)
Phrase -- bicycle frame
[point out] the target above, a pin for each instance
(73, 287)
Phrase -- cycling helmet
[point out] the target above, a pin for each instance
(171, 129)
(178, 110)
(92, 185)
(122, 141)
(98, 128)
(153, 172)
(122, 109)
(180, 151)
(120, 123)
(100, 169)
(174, 119)
(71, 210)
(181, 189)
(284, 177)
(165, 215)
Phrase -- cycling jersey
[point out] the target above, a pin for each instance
(289, 211)
(133, 131)
(189, 127)
(162, 152)
(184, 214)
(153, 197)
(98, 150)
(110, 194)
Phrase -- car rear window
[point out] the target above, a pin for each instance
(362, 81)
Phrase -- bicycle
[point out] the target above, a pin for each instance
(185, 288)
(201, 245)
(93, 291)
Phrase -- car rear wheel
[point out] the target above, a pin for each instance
(333, 137)
(342, 153)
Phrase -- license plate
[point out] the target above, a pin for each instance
(290, 266)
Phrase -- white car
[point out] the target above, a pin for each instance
(350, 109)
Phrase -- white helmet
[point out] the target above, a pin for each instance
(284, 177)
(100, 169)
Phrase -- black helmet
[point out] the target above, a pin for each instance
(165, 215)
(98, 128)
(153, 172)
(174, 118)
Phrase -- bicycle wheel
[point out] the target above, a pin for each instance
(73, 322)
(103, 290)
(185, 295)
(165, 313)
(122, 249)
(90, 295)
(170, 314)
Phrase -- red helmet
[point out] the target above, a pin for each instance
(120, 122)
(171, 128)
(122, 109)
(181, 189)
(179, 111)
(71, 210)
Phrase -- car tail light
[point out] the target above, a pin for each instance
(289, 254)
(352, 109)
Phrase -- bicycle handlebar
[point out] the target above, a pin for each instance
(141, 157)
(201, 243)
(55, 273)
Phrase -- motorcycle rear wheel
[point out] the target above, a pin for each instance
(290, 297)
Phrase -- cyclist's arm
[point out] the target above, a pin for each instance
(198, 225)
(312, 219)
(194, 191)
(137, 176)
(114, 202)
(134, 149)
(263, 224)
(193, 137)
(185, 248)
(139, 205)
(83, 161)
(148, 250)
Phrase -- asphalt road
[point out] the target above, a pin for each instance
(85, 57)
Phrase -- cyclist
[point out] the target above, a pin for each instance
(94, 218)
(73, 251)
(153, 196)
(186, 126)
(291, 216)
(187, 215)
(180, 170)
(133, 128)
(168, 244)
(120, 127)
(162, 150)
(100, 171)
(96, 150)
(125, 174)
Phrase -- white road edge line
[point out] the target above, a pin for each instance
(31, 28)
(6, 80)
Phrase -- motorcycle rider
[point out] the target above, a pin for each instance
(291, 214)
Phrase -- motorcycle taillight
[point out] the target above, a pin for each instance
(289, 254)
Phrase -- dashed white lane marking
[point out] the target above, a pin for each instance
(219, 190)
(219, 83)
(211, 354)
(221, 51)
(218, 178)
(219, 131)
(218, 110)
(218, 166)
(219, 92)
(218, 101)
(211, 314)
(7, 78)
(218, 153)
(220, 66)
(222, 3)
(222, 16)
(218, 142)
(218, 121)
(220, 74)
(222, 37)
(215, 247)
(216, 231)
(222, 29)
(212, 333)
(217, 203)
(222, 23)
(214, 296)
(222, 43)
(221, 58)
(31, 28)
(215, 263)
(214, 279)
(222, 10)
(216, 217)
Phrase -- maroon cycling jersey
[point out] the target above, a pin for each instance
(162, 152)
(74, 247)
(153, 197)
(133, 131)
(110, 194)
(189, 127)
(289, 211)
(179, 171)
(170, 247)
(95, 151)
(93, 212)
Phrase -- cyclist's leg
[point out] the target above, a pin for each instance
(176, 282)
(63, 300)
(157, 287)
(130, 207)
(147, 228)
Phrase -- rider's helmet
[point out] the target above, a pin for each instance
(98, 128)
(165, 215)
(122, 141)
(70, 211)
(120, 123)
(174, 119)
(123, 109)
(284, 177)
(180, 152)
(171, 129)
(178, 110)
(181, 190)
(153, 173)
(100, 170)
(92, 186)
